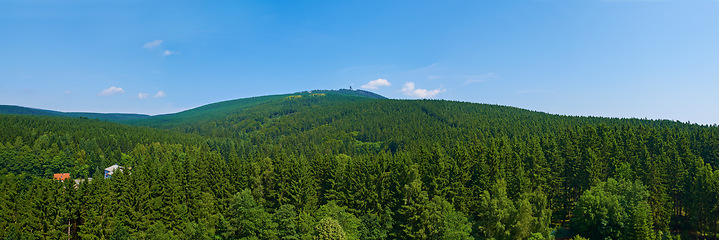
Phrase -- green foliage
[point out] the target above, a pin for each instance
(8, 109)
(159, 232)
(248, 219)
(273, 167)
(496, 213)
(444, 222)
(376, 226)
(614, 209)
(350, 224)
(329, 229)
(503, 218)
(286, 219)
(306, 225)
(430, 219)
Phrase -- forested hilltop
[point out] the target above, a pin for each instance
(10, 109)
(353, 165)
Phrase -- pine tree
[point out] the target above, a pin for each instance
(495, 213)
(411, 212)
(249, 219)
(286, 219)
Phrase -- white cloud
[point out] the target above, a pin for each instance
(67, 92)
(153, 44)
(375, 84)
(160, 94)
(143, 95)
(169, 52)
(410, 90)
(111, 91)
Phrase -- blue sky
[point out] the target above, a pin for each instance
(620, 58)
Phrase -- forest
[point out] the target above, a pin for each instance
(354, 165)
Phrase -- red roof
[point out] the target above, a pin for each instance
(60, 176)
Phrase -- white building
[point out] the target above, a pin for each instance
(109, 170)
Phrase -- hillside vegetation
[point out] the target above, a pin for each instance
(219, 110)
(353, 165)
(9, 109)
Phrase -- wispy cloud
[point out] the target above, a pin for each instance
(375, 84)
(410, 90)
(153, 44)
(479, 78)
(111, 91)
(636, 0)
(527, 91)
(169, 52)
(159, 94)
(157, 43)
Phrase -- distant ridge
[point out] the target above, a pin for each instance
(348, 92)
(219, 110)
(19, 110)
(209, 111)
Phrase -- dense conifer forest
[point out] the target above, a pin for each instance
(353, 165)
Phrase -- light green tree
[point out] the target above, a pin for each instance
(248, 219)
(329, 229)
(614, 209)
(349, 222)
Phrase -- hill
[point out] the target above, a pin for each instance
(348, 92)
(374, 168)
(202, 113)
(10, 109)
(219, 110)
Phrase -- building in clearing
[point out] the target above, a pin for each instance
(109, 170)
(60, 176)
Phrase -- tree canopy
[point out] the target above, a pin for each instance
(328, 165)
